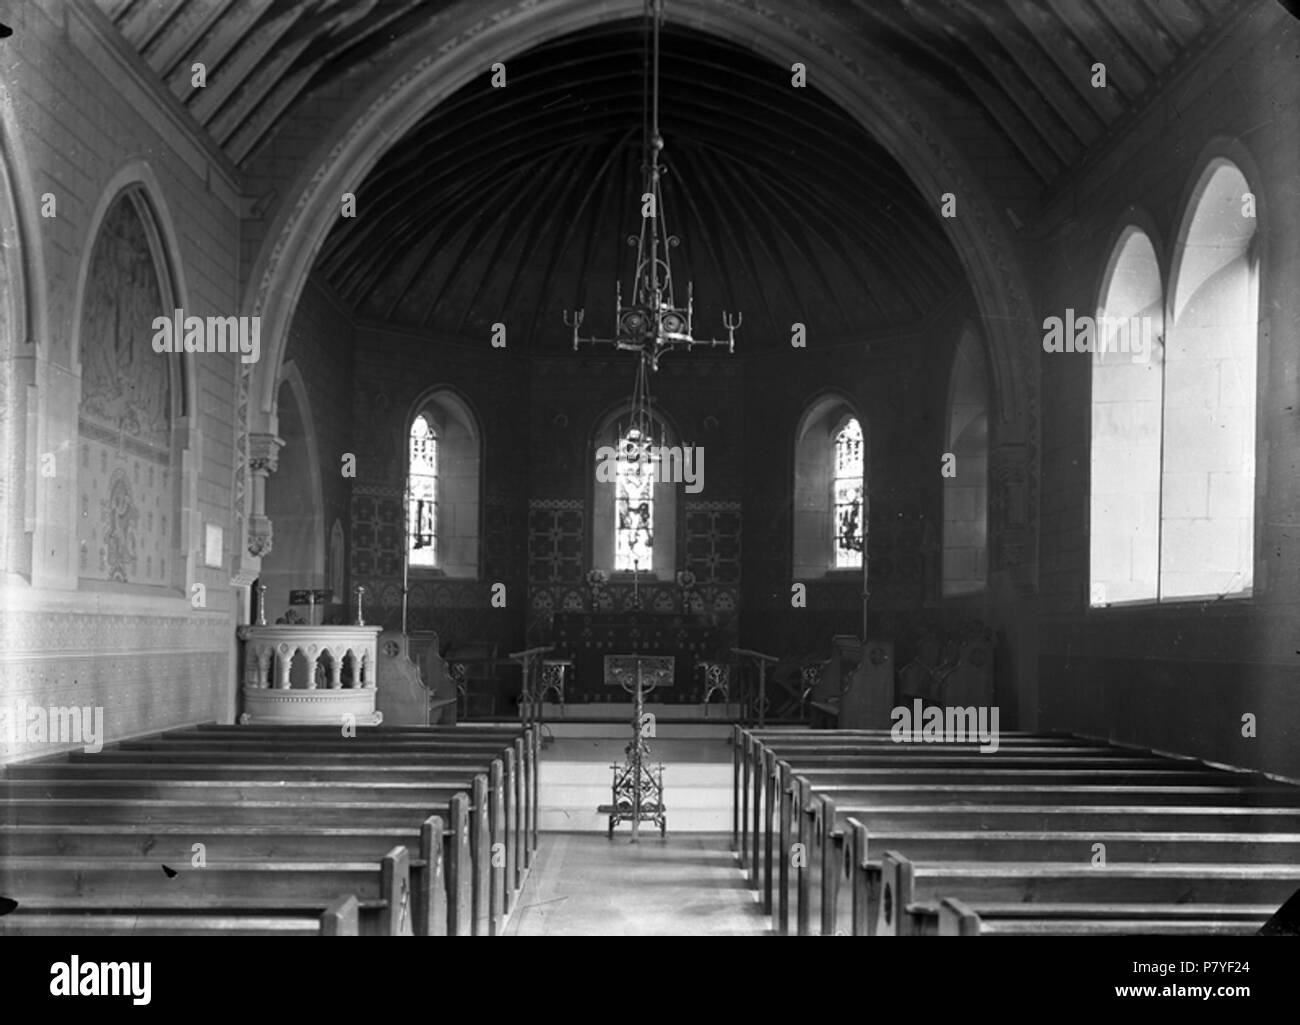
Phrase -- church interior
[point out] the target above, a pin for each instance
(847, 447)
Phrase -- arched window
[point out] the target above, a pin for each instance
(638, 473)
(634, 503)
(1173, 408)
(966, 492)
(848, 496)
(422, 494)
(1127, 370)
(830, 492)
(1208, 483)
(442, 516)
(128, 528)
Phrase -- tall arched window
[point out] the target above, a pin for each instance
(128, 475)
(634, 504)
(634, 496)
(443, 488)
(1208, 483)
(1127, 372)
(966, 492)
(830, 490)
(422, 494)
(848, 524)
(1173, 407)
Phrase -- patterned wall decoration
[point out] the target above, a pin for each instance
(556, 534)
(713, 542)
(558, 589)
(127, 504)
(376, 532)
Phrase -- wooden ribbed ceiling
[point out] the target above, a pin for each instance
(512, 205)
(1022, 64)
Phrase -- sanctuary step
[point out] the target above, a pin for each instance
(575, 776)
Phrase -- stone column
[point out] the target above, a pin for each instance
(263, 456)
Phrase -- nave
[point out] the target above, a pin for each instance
(294, 831)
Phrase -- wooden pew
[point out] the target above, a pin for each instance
(783, 807)
(431, 757)
(440, 874)
(876, 757)
(183, 763)
(455, 744)
(750, 747)
(383, 889)
(463, 846)
(957, 918)
(851, 863)
(169, 797)
(809, 826)
(419, 745)
(56, 919)
(911, 891)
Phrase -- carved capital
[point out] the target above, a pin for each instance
(264, 453)
(260, 536)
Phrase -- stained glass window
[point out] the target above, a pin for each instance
(848, 498)
(422, 496)
(634, 502)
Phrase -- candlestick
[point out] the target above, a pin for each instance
(261, 605)
(360, 591)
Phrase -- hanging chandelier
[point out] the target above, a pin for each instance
(652, 323)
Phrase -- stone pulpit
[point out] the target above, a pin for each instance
(299, 674)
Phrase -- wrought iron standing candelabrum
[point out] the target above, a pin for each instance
(638, 787)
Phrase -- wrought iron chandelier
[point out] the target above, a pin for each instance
(652, 323)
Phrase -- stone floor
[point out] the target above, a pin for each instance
(686, 884)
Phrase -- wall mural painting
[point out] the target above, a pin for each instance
(125, 420)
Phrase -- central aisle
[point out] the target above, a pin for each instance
(687, 884)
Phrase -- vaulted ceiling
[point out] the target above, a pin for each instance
(513, 205)
(1022, 63)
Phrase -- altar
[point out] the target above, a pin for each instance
(589, 639)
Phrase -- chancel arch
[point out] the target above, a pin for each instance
(852, 71)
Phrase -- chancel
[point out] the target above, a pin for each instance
(649, 467)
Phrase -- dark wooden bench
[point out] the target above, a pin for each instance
(206, 803)
(757, 750)
(830, 768)
(851, 862)
(441, 748)
(440, 872)
(957, 918)
(518, 749)
(813, 819)
(73, 918)
(382, 889)
(911, 891)
(784, 825)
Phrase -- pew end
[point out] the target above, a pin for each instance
(896, 895)
(956, 918)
